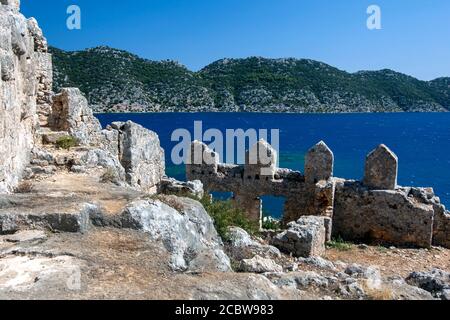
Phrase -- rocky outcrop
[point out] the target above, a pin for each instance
(132, 153)
(186, 230)
(437, 282)
(20, 65)
(140, 154)
(71, 113)
(172, 186)
(240, 246)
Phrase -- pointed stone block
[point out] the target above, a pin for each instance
(202, 159)
(319, 163)
(261, 161)
(381, 169)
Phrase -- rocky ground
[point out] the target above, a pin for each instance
(155, 258)
(120, 243)
(126, 264)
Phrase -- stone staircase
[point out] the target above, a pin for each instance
(47, 136)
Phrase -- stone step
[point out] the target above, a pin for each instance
(52, 137)
(23, 214)
(58, 157)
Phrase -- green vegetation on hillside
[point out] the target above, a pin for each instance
(117, 81)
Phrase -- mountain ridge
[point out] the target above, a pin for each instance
(115, 80)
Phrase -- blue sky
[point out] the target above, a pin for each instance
(415, 35)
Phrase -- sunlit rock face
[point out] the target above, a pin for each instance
(24, 65)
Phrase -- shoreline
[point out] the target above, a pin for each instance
(277, 113)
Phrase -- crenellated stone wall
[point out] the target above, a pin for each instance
(375, 209)
(305, 195)
(22, 64)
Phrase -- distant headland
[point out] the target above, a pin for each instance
(118, 81)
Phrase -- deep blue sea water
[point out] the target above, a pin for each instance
(420, 140)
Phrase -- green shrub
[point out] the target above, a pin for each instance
(339, 244)
(270, 223)
(225, 215)
(67, 142)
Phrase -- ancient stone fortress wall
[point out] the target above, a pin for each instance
(375, 209)
(313, 191)
(31, 116)
(24, 63)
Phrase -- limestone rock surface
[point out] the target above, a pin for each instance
(304, 238)
(186, 231)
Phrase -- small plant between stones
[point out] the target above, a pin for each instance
(24, 187)
(110, 176)
(225, 215)
(269, 223)
(67, 143)
(339, 244)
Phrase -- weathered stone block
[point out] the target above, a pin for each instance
(40, 42)
(141, 155)
(259, 265)
(201, 160)
(171, 186)
(304, 238)
(53, 136)
(441, 233)
(7, 68)
(322, 199)
(387, 216)
(319, 163)
(109, 140)
(381, 169)
(71, 113)
(18, 44)
(261, 162)
(14, 218)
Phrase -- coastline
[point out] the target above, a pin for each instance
(277, 113)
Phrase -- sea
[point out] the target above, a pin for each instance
(420, 140)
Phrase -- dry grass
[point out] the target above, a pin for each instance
(109, 176)
(170, 201)
(24, 187)
(381, 294)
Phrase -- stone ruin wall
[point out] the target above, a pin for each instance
(25, 83)
(375, 209)
(31, 115)
(313, 191)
